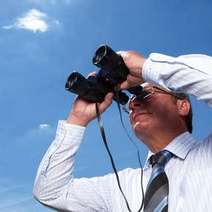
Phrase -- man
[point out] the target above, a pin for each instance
(160, 120)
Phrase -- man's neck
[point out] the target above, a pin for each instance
(158, 141)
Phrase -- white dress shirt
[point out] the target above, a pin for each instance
(189, 171)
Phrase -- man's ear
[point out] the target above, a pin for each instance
(183, 107)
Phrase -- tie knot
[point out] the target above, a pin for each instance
(161, 158)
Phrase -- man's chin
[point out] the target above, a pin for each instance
(140, 128)
(140, 125)
(136, 125)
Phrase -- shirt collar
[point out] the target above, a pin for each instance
(179, 146)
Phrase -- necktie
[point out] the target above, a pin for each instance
(156, 197)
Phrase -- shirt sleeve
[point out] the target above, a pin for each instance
(191, 74)
(55, 185)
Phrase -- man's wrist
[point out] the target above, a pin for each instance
(77, 121)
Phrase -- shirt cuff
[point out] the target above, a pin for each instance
(69, 132)
(157, 68)
(150, 74)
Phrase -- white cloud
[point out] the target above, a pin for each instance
(44, 126)
(34, 20)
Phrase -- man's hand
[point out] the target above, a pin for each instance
(83, 112)
(134, 62)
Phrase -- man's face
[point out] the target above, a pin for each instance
(157, 113)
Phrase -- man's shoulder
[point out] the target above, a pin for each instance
(203, 148)
(205, 143)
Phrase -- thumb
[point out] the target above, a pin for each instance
(106, 103)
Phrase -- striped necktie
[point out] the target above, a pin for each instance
(156, 197)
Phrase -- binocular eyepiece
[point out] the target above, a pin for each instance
(113, 71)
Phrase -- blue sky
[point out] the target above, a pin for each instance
(42, 41)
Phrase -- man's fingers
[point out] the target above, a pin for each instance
(130, 82)
(107, 102)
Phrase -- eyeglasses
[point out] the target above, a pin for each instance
(147, 93)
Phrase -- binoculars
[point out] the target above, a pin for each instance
(113, 71)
